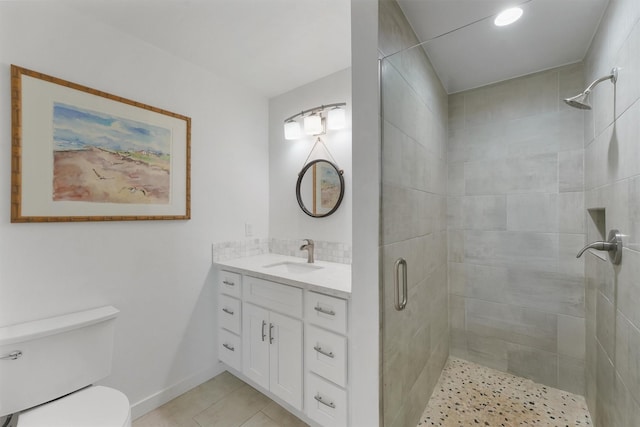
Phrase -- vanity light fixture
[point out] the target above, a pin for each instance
(316, 120)
(336, 118)
(508, 17)
(291, 129)
(313, 124)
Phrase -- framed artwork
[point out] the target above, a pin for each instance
(79, 154)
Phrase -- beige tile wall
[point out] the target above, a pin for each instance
(612, 183)
(415, 341)
(515, 215)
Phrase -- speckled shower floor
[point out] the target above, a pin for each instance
(472, 395)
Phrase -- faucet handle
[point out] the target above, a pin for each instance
(309, 241)
(613, 246)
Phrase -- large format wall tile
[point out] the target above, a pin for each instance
(514, 99)
(516, 219)
(539, 365)
(571, 376)
(571, 170)
(512, 324)
(611, 174)
(529, 174)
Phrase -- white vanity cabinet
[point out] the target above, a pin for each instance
(288, 338)
(272, 352)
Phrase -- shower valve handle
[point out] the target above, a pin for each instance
(600, 246)
(613, 246)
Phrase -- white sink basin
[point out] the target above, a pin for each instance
(292, 267)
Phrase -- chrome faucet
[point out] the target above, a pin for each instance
(309, 248)
(613, 246)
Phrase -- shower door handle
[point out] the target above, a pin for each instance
(400, 303)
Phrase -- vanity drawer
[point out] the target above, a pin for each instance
(229, 349)
(328, 312)
(275, 296)
(230, 283)
(327, 354)
(230, 314)
(325, 402)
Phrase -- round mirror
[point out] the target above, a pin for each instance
(320, 188)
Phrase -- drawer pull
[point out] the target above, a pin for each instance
(228, 283)
(226, 310)
(12, 356)
(324, 353)
(321, 400)
(228, 347)
(323, 311)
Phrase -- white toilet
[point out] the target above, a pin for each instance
(47, 368)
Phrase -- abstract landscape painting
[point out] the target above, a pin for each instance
(102, 158)
(82, 154)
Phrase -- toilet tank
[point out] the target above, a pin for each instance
(57, 356)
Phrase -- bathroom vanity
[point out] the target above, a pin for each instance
(283, 327)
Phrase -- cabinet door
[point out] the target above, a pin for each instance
(255, 344)
(286, 359)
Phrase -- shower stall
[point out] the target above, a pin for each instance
(482, 214)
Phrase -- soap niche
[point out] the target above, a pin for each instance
(597, 229)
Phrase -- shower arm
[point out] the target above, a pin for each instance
(613, 76)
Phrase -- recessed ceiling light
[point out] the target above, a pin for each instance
(507, 17)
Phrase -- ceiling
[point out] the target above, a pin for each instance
(551, 33)
(271, 46)
(274, 46)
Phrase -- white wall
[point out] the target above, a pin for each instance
(286, 159)
(364, 321)
(158, 273)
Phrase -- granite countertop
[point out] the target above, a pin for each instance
(332, 279)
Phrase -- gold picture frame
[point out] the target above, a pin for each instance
(80, 154)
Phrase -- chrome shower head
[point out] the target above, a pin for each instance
(581, 101)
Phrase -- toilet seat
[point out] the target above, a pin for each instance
(95, 406)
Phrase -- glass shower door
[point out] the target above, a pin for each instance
(414, 313)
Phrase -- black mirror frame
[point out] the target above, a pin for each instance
(299, 183)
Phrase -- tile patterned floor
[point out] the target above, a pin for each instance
(472, 395)
(223, 401)
(466, 395)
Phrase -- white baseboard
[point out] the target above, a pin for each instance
(161, 397)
